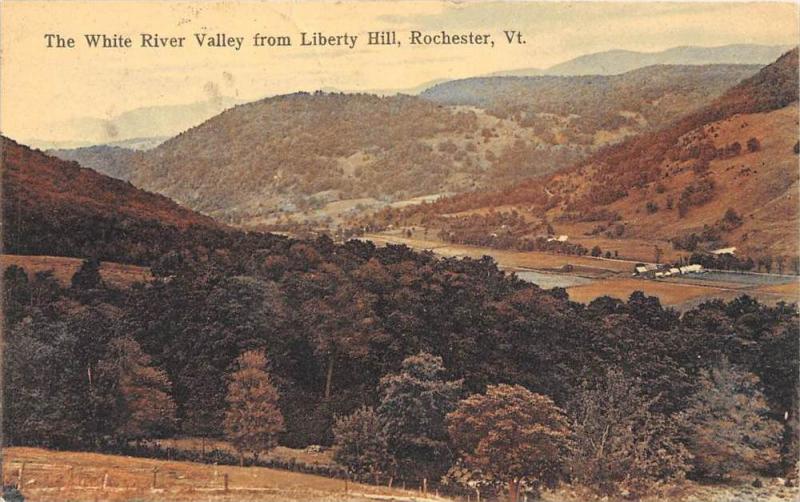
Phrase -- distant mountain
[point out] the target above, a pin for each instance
(618, 61)
(54, 207)
(678, 183)
(594, 109)
(133, 125)
(112, 161)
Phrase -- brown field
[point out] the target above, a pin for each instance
(51, 476)
(668, 292)
(115, 274)
(509, 259)
(281, 453)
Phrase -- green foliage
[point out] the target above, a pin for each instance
(621, 445)
(513, 435)
(413, 407)
(360, 443)
(253, 418)
(729, 432)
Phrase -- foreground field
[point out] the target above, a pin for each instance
(50, 476)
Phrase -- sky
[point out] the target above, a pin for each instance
(42, 87)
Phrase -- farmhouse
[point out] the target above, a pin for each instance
(721, 251)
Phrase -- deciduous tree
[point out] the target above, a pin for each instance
(514, 435)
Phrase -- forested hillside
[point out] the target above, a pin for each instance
(54, 207)
(725, 175)
(321, 158)
(585, 107)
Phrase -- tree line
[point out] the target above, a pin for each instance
(335, 340)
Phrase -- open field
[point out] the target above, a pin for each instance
(115, 274)
(280, 453)
(71, 476)
(509, 259)
(50, 476)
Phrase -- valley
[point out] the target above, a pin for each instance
(587, 278)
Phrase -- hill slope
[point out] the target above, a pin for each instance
(737, 153)
(635, 101)
(112, 161)
(322, 157)
(55, 207)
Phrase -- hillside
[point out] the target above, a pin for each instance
(112, 161)
(317, 156)
(584, 109)
(55, 207)
(323, 157)
(737, 153)
(618, 61)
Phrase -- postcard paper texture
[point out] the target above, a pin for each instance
(378, 250)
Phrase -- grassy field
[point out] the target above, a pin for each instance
(115, 274)
(50, 476)
(510, 259)
(280, 453)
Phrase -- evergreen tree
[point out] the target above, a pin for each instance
(729, 431)
(136, 395)
(413, 408)
(253, 418)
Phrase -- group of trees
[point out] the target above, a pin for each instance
(382, 344)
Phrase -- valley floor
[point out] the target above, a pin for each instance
(603, 276)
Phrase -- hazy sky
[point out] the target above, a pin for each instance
(42, 86)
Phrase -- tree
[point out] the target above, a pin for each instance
(413, 408)
(136, 395)
(621, 445)
(513, 435)
(253, 418)
(596, 251)
(657, 253)
(88, 276)
(753, 145)
(360, 443)
(728, 429)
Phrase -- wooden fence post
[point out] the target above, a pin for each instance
(155, 473)
(225, 481)
(21, 476)
(105, 480)
(424, 485)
